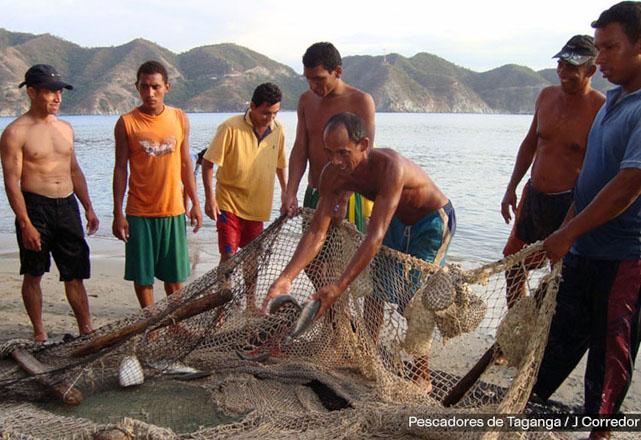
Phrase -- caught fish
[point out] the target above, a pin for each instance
(167, 366)
(272, 330)
(130, 372)
(306, 319)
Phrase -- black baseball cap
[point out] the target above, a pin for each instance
(578, 50)
(44, 76)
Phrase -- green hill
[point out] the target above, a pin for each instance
(222, 77)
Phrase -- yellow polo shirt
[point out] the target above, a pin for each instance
(246, 168)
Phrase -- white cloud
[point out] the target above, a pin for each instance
(475, 34)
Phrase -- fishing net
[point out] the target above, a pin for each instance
(402, 327)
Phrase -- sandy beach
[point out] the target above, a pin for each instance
(111, 298)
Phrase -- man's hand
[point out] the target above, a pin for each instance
(195, 217)
(327, 296)
(557, 245)
(211, 209)
(509, 199)
(92, 221)
(281, 286)
(289, 206)
(120, 227)
(31, 238)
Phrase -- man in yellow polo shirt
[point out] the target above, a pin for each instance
(249, 151)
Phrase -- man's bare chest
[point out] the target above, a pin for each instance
(47, 144)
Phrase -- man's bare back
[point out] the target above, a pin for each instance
(563, 123)
(46, 154)
(386, 169)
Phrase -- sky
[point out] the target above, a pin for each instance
(479, 35)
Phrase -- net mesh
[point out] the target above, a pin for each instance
(403, 327)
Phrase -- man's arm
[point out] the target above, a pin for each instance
(211, 207)
(369, 117)
(524, 159)
(297, 163)
(120, 227)
(11, 144)
(188, 178)
(82, 192)
(608, 204)
(308, 247)
(385, 206)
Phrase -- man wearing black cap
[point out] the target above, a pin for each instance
(598, 303)
(554, 146)
(42, 179)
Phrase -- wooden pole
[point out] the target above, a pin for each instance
(60, 390)
(467, 381)
(185, 311)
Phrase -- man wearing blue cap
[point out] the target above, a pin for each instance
(42, 179)
(554, 146)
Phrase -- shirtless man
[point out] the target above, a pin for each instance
(556, 144)
(410, 213)
(328, 95)
(42, 179)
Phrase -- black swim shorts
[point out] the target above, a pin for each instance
(62, 236)
(541, 214)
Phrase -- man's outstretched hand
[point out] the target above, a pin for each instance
(327, 296)
(281, 286)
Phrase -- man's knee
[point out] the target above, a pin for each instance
(74, 284)
(31, 280)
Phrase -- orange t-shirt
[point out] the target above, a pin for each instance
(155, 142)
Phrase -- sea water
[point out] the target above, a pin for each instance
(469, 156)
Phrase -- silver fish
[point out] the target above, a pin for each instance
(172, 367)
(306, 319)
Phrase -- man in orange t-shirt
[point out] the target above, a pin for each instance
(153, 139)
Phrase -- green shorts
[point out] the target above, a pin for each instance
(156, 248)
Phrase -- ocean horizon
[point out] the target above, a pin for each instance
(469, 156)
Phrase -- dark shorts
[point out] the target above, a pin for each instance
(597, 309)
(62, 236)
(235, 232)
(537, 216)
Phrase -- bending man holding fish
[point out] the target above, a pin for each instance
(411, 214)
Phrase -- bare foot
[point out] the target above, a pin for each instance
(40, 337)
(87, 332)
